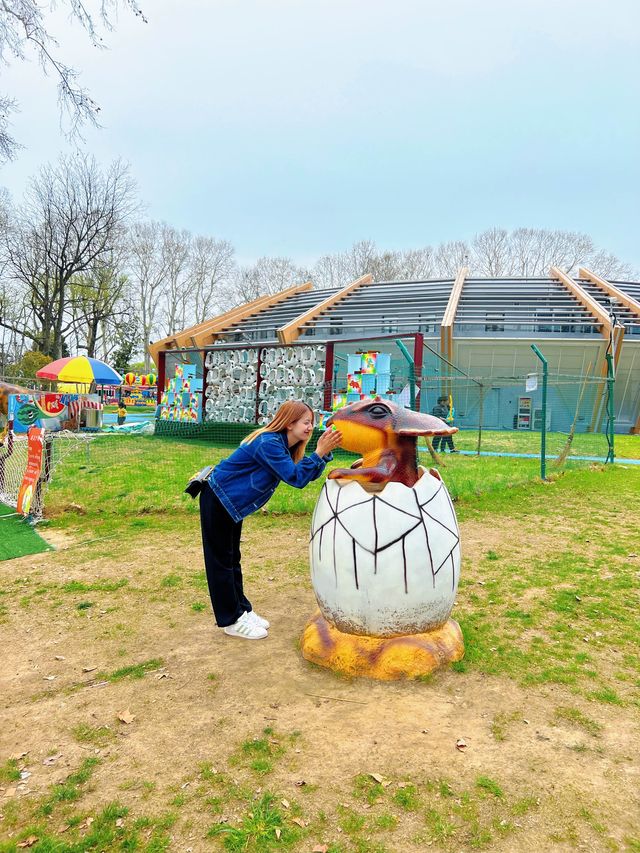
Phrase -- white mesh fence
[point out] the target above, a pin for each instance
(13, 463)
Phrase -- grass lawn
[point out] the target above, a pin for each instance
(17, 537)
(131, 723)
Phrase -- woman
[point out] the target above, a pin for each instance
(241, 484)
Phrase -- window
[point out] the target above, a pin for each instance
(494, 323)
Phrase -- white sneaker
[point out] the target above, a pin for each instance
(246, 628)
(258, 620)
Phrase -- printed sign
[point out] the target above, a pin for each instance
(531, 383)
(32, 472)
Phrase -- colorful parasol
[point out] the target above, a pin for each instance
(80, 368)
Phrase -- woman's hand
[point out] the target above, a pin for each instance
(329, 440)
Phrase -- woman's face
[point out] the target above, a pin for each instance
(300, 430)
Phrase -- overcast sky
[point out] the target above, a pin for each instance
(295, 127)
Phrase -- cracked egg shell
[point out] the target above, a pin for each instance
(385, 563)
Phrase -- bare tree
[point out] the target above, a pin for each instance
(212, 264)
(363, 257)
(175, 247)
(266, 276)
(24, 25)
(450, 257)
(491, 253)
(147, 271)
(532, 251)
(96, 298)
(73, 217)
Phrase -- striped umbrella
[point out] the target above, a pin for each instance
(80, 369)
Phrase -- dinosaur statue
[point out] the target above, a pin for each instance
(387, 436)
(384, 552)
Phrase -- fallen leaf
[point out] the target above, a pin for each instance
(28, 842)
(19, 755)
(163, 675)
(126, 716)
(87, 823)
(120, 822)
(285, 803)
(298, 821)
(272, 578)
(48, 678)
(278, 833)
(525, 721)
(24, 774)
(52, 759)
(577, 597)
(376, 778)
(89, 668)
(461, 744)
(64, 828)
(631, 556)
(320, 848)
(60, 657)
(300, 783)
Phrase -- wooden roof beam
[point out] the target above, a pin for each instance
(587, 301)
(611, 290)
(197, 335)
(291, 331)
(608, 330)
(449, 316)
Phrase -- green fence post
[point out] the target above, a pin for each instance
(610, 410)
(412, 373)
(543, 429)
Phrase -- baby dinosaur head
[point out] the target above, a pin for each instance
(372, 424)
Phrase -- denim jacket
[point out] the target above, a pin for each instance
(246, 480)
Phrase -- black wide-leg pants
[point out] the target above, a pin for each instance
(221, 546)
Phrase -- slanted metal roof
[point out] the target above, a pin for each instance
(631, 288)
(386, 307)
(494, 307)
(263, 325)
(520, 305)
(629, 319)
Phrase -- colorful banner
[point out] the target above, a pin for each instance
(33, 469)
(181, 400)
(53, 411)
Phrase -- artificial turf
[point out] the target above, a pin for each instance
(17, 537)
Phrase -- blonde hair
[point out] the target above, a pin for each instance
(287, 414)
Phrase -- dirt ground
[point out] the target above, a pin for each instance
(210, 693)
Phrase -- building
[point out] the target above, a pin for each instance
(463, 334)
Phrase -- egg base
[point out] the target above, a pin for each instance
(408, 656)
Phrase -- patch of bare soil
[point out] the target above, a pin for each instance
(209, 693)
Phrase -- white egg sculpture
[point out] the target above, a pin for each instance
(384, 552)
(385, 563)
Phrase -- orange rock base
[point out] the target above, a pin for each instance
(384, 658)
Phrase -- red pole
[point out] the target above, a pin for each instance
(161, 375)
(328, 377)
(203, 353)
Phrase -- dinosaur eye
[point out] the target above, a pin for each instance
(378, 411)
